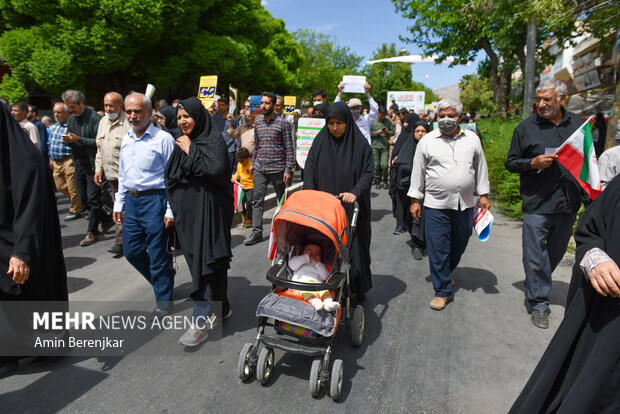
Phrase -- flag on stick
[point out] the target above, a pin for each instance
(239, 194)
(577, 155)
(271, 253)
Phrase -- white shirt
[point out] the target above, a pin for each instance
(609, 165)
(365, 121)
(448, 170)
(306, 271)
(32, 132)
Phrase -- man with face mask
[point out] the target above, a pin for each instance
(448, 168)
(551, 196)
(363, 121)
(319, 97)
(112, 128)
(141, 203)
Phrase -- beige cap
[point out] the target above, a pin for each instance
(354, 102)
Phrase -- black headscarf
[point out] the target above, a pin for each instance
(200, 195)
(29, 226)
(170, 114)
(405, 132)
(345, 164)
(400, 174)
(319, 107)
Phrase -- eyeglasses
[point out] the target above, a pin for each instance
(546, 99)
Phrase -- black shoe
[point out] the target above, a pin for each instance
(540, 318)
(417, 253)
(253, 239)
(72, 216)
(378, 187)
(116, 250)
(386, 185)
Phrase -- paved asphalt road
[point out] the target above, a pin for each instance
(473, 357)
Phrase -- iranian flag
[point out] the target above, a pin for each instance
(239, 193)
(577, 155)
(271, 253)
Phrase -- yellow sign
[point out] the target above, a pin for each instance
(289, 104)
(206, 91)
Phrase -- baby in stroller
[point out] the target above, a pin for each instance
(308, 268)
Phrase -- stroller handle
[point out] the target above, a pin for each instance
(356, 210)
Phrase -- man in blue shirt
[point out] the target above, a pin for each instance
(142, 197)
(61, 161)
(33, 116)
(224, 120)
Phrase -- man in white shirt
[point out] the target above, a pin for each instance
(20, 112)
(448, 168)
(363, 121)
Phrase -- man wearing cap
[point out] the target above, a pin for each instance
(449, 167)
(380, 131)
(363, 121)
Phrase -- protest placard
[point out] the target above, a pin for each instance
(289, 104)
(307, 130)
(353, 84)
(206, 90)
(406, 99)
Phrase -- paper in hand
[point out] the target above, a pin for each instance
(354, 84)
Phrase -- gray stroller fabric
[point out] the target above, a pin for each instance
(296, 312)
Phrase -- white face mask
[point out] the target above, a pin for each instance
(111, 116)
(317, 103)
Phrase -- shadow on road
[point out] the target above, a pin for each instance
(77, 283)
(377, 215)
(557, 296)
(472, 279)
(74, 263)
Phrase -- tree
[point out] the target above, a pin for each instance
(123, 44)
(324, 64)
(476, 95)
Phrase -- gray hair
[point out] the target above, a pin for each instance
(46, 118)
(74, 96)
(450, 103)
(553, 83)
(147, 101)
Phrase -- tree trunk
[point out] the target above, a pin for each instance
(530, 69)
(612, 125)
(504, 91)
(494, 63)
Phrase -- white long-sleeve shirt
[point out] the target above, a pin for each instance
(304, 269)
(365, 121)
(448, 170)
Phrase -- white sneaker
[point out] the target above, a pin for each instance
(193, 337)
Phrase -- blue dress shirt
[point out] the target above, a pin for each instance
(142, 163)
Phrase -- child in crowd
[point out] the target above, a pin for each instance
(246, 178)
(308, 268)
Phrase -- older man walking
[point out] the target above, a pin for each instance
(82, 128)
(61, 161)
(142, 197)
(551, 197)
(112, 128)
(448, 168)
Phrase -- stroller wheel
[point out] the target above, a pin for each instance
(264, 365)
(335, 383)
(244, 370)
(357, 327)
(315, 377)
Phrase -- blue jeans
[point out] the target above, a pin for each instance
(447, 233)
(545, 238)
(144, 243)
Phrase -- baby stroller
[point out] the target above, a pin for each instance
(307, 216)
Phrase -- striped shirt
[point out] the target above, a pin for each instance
(273, 146)
(57, 148)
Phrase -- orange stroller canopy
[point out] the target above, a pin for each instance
(310, 216)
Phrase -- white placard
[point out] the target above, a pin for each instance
(307, 130)
(407, 99)
(354, 84)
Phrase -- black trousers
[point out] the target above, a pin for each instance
(90, 193)
(213, 289)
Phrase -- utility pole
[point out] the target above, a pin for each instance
(530, 68)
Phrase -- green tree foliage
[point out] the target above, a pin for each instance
(324, 64)
(385, 77)
(477, 95)
(120, 44)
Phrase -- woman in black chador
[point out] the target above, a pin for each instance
(201, 198)
(340, 162)
(32, 266)
(580, 370)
